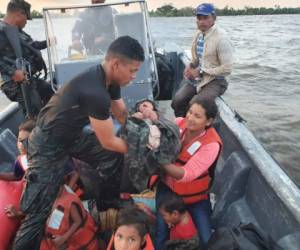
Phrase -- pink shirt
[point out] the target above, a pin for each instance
(198, 164)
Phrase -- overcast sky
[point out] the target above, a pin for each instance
(153, 4)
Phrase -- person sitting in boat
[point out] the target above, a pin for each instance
(11, 188)
(71, 176)
(94, 30)
(183, 232)
(69, 225)
(212, 60)
(20, 165)
(59, 134)
(152, 140)
(190, 176)
(132, 231)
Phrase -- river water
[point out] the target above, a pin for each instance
(264, 86)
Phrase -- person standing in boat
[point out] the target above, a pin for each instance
(212, 60)
(59, 134)
(190, 175)
(16, 45)
(94, 30)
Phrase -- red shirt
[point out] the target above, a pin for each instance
(183, 230)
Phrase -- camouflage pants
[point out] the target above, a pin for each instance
(47, 159)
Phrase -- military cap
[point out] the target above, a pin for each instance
(22, 5)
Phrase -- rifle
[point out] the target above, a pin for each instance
(12, 34)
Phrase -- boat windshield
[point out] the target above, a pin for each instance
(79, 37)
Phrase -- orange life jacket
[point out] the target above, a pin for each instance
(149, 244)
(84, 237)
(195, 190)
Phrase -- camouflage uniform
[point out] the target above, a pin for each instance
(93, 23)
(44, 179)
(40, 91)
(142, 162)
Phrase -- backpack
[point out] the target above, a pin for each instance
(242, 237)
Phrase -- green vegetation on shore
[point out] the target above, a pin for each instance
(169, 10)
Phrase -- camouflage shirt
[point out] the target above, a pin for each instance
(142, 162)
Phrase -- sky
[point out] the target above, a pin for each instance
(154, 4)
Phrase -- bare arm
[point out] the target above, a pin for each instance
(77, 220)
(174, 171)
(119, 110)
(8, 177)
(105, 134)
(73, 180)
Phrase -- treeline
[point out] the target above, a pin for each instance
(169, 10)
(34, 14)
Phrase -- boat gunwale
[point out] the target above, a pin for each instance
(288, 192)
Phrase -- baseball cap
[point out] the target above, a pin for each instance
(205, 9)
(22, 5)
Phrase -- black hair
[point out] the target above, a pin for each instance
(134, 216)
(138, 103)
(27, 125)
(208, 104)
(18, 5)
(173, 203)
(11, 7)
(126, 47)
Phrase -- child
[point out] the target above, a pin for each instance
(182, 227)
(11, 188)
(145, 109)
(132, 231)
(69, 225)
(20, 164)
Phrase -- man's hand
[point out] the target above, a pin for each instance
(18, 76)
(76, 44)
(52, 41)
(191, 73)
(186, 72)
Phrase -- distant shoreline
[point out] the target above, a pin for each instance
(169, 10)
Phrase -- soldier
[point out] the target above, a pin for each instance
(18, 46)
(94, 30)
(88, 97)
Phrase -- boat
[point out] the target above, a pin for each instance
(249, 185)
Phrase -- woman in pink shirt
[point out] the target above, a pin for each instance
(190, 175)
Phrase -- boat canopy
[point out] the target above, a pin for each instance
(93, 28)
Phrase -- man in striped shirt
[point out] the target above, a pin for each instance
(212, 60)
